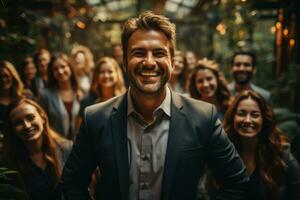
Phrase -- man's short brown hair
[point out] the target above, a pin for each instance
(148, 21)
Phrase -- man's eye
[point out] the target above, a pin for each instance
(138, 54)
(160, 54)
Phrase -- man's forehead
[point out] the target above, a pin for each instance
(144, 38)
(242, 58)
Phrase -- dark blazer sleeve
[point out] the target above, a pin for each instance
(79, 166)
(225, 163)
(293, 177)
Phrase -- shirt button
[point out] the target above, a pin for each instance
(145, 157)
(143, 185)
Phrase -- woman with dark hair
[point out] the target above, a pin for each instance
(28, 72)
(177, 80)
(274, 172)
(61, 99)
(107, 82)
(34, 150)
(207, 83)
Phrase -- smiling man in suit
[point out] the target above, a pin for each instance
(151, 143)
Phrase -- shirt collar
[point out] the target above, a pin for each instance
(165, 106)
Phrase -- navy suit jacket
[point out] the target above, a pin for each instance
(195, 137)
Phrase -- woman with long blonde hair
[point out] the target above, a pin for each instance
(107, 82)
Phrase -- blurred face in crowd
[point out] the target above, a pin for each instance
(118, 53)
(6, 79)
(79, 60)
(206, 83)
(242, 69)
(43, 61)
(107, 76)
(178, 62)
(149, 62)
(248, 120)
(27, 123)
(191, 60)
(30, 71)
(61, 70)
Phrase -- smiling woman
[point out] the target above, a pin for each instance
(34, 150)
(207, 83)
(274, 172)
(61, 98)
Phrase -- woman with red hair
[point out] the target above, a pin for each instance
(34, 150)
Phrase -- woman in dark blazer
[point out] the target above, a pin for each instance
(274, 172)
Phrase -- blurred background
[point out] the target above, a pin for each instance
(211, 28)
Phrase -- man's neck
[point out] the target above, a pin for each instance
(239, 87)
(146, 104)
(173, 80)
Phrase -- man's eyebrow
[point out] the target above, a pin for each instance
(137, 49)
(160, 49)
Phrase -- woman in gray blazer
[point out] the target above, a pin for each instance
(61, 98)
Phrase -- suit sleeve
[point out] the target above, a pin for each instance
(293, 178)
(225, 163)
(79, 167)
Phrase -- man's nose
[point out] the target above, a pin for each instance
(149, 60)
(242, 67)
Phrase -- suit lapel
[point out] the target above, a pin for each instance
(119, 130)
(177, 127)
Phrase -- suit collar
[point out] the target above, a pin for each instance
(177, 127)
(119, 131)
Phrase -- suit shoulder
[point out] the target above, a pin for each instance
(265, 93)
(195, 106)
(103, 108)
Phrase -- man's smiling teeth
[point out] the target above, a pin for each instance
(150, 74)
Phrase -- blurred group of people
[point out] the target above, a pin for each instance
(42, 104)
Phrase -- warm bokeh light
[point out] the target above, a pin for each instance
(278, 25)
(285, 32)
(221, 28)
(80, 25)
(292, 42)
(273, 29)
